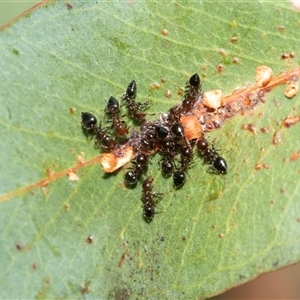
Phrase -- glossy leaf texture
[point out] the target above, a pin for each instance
(214, 233)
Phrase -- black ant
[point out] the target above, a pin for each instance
(174, 114)
(192, 93)
(212, 157)
(168, 149)
(113, 108)
(178, 179)
(102, 138)
(134, 108)
(179, 176)
(132, 176)
(89, 122)
(148, 137)
(148, 199)
(178, 130)
(161, 132)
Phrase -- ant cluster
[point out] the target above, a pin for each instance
(173, 135)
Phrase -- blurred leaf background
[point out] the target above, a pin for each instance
(281, 284)
(11, 9)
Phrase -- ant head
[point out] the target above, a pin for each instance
(88, 121)
(178, 179)
(195, 81)
(112, 105)
(131, 90)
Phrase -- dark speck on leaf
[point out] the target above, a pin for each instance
(15, 51)
(90, 239)
(241, 277)
(69, 5)
(19, 246)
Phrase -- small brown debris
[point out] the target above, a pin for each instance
(67, 206)
(236, 60)
(258, 167)
(90, 239)
(266, 166)
(284, 56)
(164, 32)
(281, 28)
(168, 93)
(264, 129)
(289, 121)
(19, 246)
(233, 39)
(292, 54)
(221, 235)
(85, 290)
(72, 110)
(292, 89)
(220, 68)
(122, 260)
(295, 156)
(69, 5)
(263, 75)
(277, 138)
(154, 86)
(282, 190)
(250, 127)
(223, 52)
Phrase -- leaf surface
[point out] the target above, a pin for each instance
(214, 233)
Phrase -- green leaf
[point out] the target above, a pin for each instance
(214, 233)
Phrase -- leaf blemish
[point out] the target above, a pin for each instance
(295, 156)
(72, 110)
(250, 127)
(290, 121)
(258, 167)
(233, 39)
(277, 138)
(19, 246)
(90, 239)
(222, 52)
(69, 5)
(236, 60)
(220, 68)
(165, 32)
